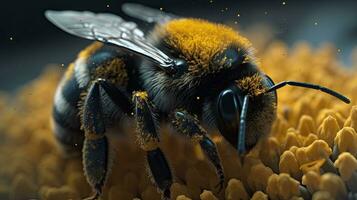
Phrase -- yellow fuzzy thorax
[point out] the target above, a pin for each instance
(199, 40)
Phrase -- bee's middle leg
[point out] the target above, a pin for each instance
(188, 125)
(96, 146)
(148, 139)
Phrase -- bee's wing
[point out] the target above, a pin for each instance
(147, 14)
(108, 28)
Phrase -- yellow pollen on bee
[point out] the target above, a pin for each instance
(148, 144)
(197, 138)
(92, 136)
(141, 95)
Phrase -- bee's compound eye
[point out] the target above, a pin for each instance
(180, 67)
(175, 68)
(228, 110)
(229, 105)
(269, 81)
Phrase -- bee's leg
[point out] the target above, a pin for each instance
(117, 96)
(148, 139)
(96, 146)
(188, 125)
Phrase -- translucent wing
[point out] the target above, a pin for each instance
(147, 14)
(108, 28)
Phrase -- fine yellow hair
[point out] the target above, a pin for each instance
(90, 50)
(199, 41)
(252, 84)
(84, 54)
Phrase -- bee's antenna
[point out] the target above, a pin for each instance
(242, 125)
(311, 86)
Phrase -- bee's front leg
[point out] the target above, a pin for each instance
(148, 139)
(188, 125)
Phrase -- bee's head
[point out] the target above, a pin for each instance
(244, 111)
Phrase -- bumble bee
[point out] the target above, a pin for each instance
(189, 72)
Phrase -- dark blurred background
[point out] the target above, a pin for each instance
(28, 42)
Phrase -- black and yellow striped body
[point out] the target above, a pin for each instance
(96, 61)
(88, 99)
